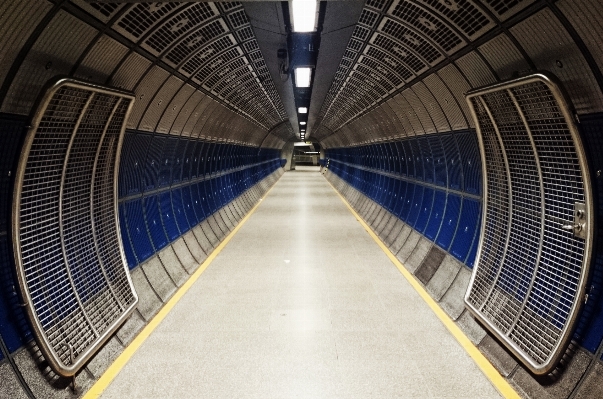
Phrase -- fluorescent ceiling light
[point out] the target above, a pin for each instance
(304, 15)
(302, 110)
(302, 77)
(302, 123)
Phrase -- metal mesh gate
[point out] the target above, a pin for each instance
(531, 268)
(68, 251)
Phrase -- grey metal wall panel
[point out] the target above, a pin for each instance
(174, 109)
(458, 86)
(504, 57)
(101, 60)
(22, 17)
(585, 17)
(552, 49)
(198, 117)
(145, 91)
(476, 71)
(130, 72)
(406, 127)
(394, 127)
(159, 103)
(185, 112)
(54, 53)
(420, 110)
(447, 101)
(408, 112)
(433, 107)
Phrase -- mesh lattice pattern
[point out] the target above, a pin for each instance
(181, 24)
(464, 14)
(428, 23)
(403, 53)
(70, 259)
(197, 40)
(530, 271)
(412, 40)
(105, 8)
(142, 17)
(209, 52)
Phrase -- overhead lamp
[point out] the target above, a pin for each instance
(302, 123)
(304, 15)
(302, 110)
(302, 77)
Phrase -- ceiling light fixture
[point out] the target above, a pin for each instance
(302, 123)
(302, 110)
(304, 15)
(302, 77)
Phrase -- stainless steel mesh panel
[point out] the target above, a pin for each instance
(531, 268)
(428, 23)
(70, 264)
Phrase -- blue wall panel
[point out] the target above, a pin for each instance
(437, 215)
(425, 210)
(167, 216)
(137, 230)
(179, 211)
(466, 229)
(153, 218)
(450, 222)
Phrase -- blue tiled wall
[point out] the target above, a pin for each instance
(432, 183)
(168, 185)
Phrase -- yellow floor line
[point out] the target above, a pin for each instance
(487, 368)
(103, 382)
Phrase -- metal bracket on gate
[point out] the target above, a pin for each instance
(579, 227)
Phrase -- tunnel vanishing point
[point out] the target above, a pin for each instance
(136, 138)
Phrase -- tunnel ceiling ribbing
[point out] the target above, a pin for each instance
(409, 63)
(178, 58)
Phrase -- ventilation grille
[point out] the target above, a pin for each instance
(191, 37)
(531, 269)
(68, 251)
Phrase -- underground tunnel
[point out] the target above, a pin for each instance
(413, 187)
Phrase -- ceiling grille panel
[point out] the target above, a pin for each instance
(181, 24)
(195, 41)
(428, 23)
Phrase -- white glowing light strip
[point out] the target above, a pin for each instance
(302, 110)
(304, 15)
(302, 77)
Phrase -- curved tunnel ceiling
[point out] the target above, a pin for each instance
(409, 63)
(195, 68)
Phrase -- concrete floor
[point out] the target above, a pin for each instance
(301, 304)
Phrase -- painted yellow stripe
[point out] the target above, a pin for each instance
(119, 363)
(490, 372)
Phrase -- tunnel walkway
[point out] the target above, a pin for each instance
(301, 303)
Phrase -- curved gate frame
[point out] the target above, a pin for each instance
(49, 353)
(569, 115)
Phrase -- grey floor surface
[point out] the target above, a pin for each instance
(301, 303)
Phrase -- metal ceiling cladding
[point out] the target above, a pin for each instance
(528, 285)
(70, 263)
(198, 39)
